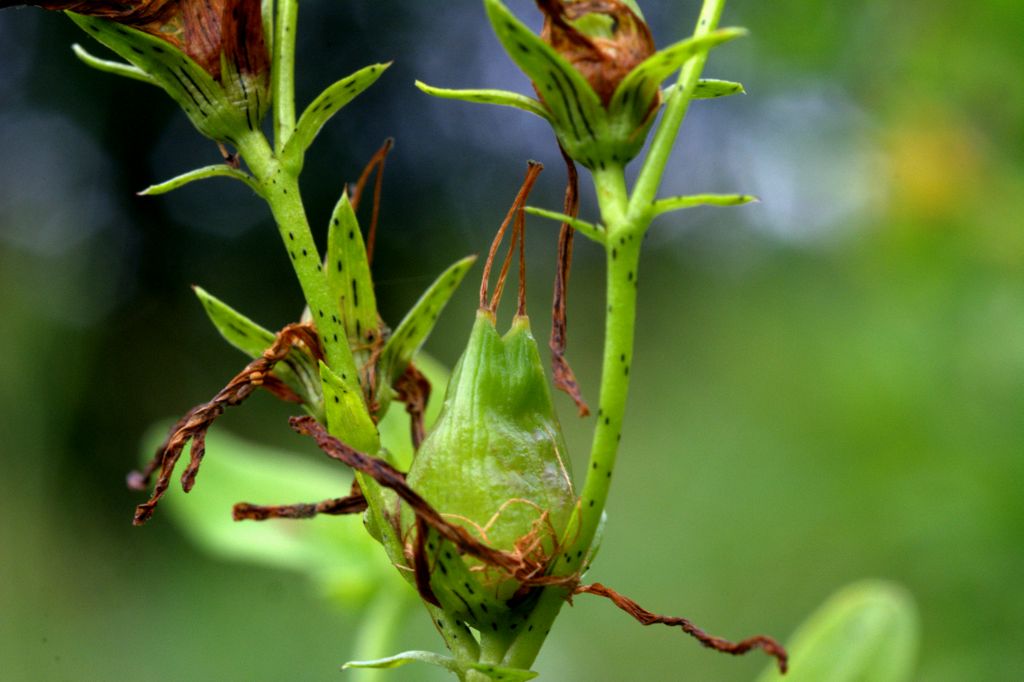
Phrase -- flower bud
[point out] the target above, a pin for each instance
(595, 72)
(209, 55)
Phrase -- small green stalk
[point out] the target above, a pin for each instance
(653, 169)
(281, 191)
(626, 218)
(282, 72)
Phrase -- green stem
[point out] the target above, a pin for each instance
(282, 73)
(281, 191)
(653, 169)
(626, 219)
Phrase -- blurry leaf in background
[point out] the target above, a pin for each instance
(335, 552)
(866, 632)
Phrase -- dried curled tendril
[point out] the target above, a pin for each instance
(529, 568)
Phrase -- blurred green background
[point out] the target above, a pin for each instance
(829, 385)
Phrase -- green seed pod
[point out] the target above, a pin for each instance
(495, 463)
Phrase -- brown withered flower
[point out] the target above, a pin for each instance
(202, 29)
(603, 39)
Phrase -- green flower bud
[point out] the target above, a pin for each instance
(595, 72)
(495, 463)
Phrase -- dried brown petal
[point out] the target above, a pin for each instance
(603, 60)
(202, 29)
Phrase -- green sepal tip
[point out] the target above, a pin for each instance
(493, 672)
(485, 96)
(589, 230)
(326, 105)
(419, 322)
(110, 66)
(221, 170)
(679, 203)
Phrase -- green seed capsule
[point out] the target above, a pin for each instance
(496, 464)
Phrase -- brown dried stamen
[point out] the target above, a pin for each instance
(645, 617)
(353, 504)
(194, 425)
(564, 377)
(490, 303)
(376, 163)
(413, 389)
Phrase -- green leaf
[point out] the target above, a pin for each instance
(116, 68)
(236, 328)
(420, 320)
(679, 203)
(298, 370)
(336, 553)
(215, 171)
(346, 412)
(498, 97)
(330, 101)
(576, 110)
(588, 230)
(710, 88)
(195, 90)
(348, 275)
(493, 672)
(867, 632)
(632, 99)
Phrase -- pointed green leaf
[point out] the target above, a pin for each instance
(498, 97)
(588, 230)
(216, 171)
(493, 672)
(346, 412)
(108, 66)
(575, 108)
(236, 328)
(330, 101)
(710, 88)
(679, 203)
(195, 90)
(420, 320)
(634, 95)
(298, 370)
(867, 632)
(348, 275)
(336, 553)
